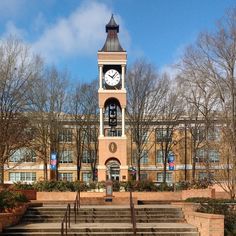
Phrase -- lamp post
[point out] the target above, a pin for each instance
(185, 150)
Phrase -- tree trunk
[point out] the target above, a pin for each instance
(78, 168)
(45, 170)
(137, 168)
(194, 166)
(164, 170)
(1, 174)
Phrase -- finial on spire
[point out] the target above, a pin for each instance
(112, 24)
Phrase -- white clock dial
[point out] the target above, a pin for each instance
(112, 77)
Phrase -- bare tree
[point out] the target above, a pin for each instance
(200, 106)
(84, 110)
(213, 57)
(144, 93)
(170, 112)
(17, 70)
(47, 112)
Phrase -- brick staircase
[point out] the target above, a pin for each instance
(105, 220)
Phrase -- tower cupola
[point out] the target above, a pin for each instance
(112, 43)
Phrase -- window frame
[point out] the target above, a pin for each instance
(22, 176)
(66, 176)
(64, 159)
(66, 135)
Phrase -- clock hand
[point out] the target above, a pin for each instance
(114, 75)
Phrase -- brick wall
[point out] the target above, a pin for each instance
(30, 194)
(144, 196)
(207, 224)
(198, 193)
(70, 196)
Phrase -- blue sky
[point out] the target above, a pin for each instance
(68, 33)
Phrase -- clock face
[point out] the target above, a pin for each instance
(112, 77)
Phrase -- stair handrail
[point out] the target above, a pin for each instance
(133, 214)
(65, 224)
(66, 221)
(77, 205)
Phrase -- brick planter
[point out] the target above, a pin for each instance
(207, 224)
(208, 192)
(30, 194)
(12, 218)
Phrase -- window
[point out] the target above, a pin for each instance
(213, 134)
(85, 136)
(213, 155)
(200, 134)
(114, 133)
(66, 176)
(139, 135)
(163, 135)
(88, 156)
(143, 176)
(205, 175)
(23, 155)
(94, 134)
(65, 156)
(144, 157)
(202, 175)
(159, 157)
(86, 176)
(144, 136)
(65, 135)
(200, 155)
(169, 177)
(22, 176)
(89, 135)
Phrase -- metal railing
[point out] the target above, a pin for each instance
(65, 224)
(133, 214)
(77, 205)
(66, 221)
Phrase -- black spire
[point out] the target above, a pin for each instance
(112, 25)
(112, 43)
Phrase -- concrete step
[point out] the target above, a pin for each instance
(108, 234)
(104, 229)
(157, 202)
(55, 214)
(115, 214)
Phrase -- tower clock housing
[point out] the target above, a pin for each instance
(112, 59)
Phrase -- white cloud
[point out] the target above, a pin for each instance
(171, 70)
(81, 33)
(39, 22)
(13, 30)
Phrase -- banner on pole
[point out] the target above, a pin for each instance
(53, 161)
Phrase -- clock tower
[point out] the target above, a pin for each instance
(112, 58)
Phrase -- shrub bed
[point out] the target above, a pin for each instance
(63, 186)
(10, 200)
(139, 186)
(199, 184)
